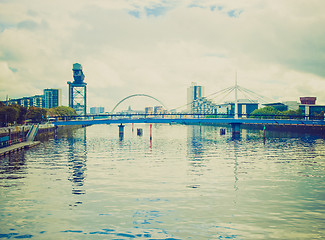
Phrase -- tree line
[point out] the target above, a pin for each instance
(14, 113)
(271, 112)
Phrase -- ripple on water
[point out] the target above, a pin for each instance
(188, 183)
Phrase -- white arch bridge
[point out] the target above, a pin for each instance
(138, 95)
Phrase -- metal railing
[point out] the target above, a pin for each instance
(182, 115)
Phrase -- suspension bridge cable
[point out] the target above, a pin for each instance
(261, 99)
(266, 99)
(222, 94)
(228, 93)
(248, 97)
(225, 94)
(221, 91)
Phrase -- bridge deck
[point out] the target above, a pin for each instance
(192, 121)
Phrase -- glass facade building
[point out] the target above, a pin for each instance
(52, 98)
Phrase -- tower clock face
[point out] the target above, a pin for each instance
(76, 73)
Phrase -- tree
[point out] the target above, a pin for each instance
(266, 112)
(296, 114)
(271, 112)
(36, 114)
(22, 111)
(61, 111)
(8, 114)
(22, 114)
(319, 116)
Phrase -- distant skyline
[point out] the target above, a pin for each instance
(159, 47)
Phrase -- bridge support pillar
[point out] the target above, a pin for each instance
(150, 132)
(235, 129)
(121, 131)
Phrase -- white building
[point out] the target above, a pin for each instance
(194, 92)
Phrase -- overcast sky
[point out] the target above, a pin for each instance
(159, 47)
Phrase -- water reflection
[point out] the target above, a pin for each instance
(77, 159)
(195, 138)
(236, 166)
(193, 184)
(12, 167)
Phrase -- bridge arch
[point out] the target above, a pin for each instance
(138, 95)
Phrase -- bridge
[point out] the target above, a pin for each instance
(235, 119)
(185, 119)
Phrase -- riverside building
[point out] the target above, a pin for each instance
(50, 98)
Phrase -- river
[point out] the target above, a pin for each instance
(189, 182)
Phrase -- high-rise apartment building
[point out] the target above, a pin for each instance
(52, 98)
(194, 92)
(37, 100)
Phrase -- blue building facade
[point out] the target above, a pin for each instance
(52, 98)
(244, 108)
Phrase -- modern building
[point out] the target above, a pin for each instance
(194, 93)
(292, 105)
(149, 110)
(308, 100)
(52, 98)
(309, 108)
(159, 110)
(284, 106)
(78, 90)
(130, 111)
(24, 101)
(203, 105)
(245, 107)
(97, 110)
(198, 104)
(38, 101)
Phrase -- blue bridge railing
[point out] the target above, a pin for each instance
(182, 115)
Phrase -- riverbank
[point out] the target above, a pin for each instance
(293, 128)
(298, 128)
(13, 139)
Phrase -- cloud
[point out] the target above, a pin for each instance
(160, 47)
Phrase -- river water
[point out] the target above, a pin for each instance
(189, 182)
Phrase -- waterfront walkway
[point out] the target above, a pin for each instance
(17, 147)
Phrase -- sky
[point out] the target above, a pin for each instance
(159, 47)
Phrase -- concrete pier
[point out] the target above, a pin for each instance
(121, 131)
(17, 147)
(235, 129)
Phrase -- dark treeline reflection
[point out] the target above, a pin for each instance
(12, 167)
